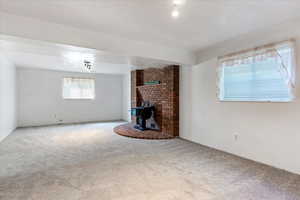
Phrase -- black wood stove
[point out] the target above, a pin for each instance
(143, 113)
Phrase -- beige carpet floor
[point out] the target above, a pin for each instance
(90, 162)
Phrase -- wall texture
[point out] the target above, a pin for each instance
(40, 99)
(7, 98)
(266, 132)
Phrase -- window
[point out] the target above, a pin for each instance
(78, 88)
(262, 74)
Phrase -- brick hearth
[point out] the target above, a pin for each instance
(128, 131)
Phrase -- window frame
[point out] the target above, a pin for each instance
(221, 68)
(78, 99)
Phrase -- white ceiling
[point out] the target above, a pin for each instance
(202, 23)
(46, 55)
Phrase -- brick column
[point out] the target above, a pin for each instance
(136, 80)
(165, 96)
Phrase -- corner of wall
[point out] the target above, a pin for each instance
(8, 104)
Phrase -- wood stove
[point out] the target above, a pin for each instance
(144, 113)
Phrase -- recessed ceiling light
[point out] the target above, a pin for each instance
(176, 5)
(177, 2)
(175, 13)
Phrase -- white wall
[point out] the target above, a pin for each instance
(7, 97)
(267, 132)
(40, 99)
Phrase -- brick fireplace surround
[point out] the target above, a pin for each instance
(164, 96)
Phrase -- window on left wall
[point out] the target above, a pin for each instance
(79, 88)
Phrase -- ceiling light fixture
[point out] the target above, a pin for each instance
(175, 13)
(88, 65)
(176, 4)
(84, 60)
